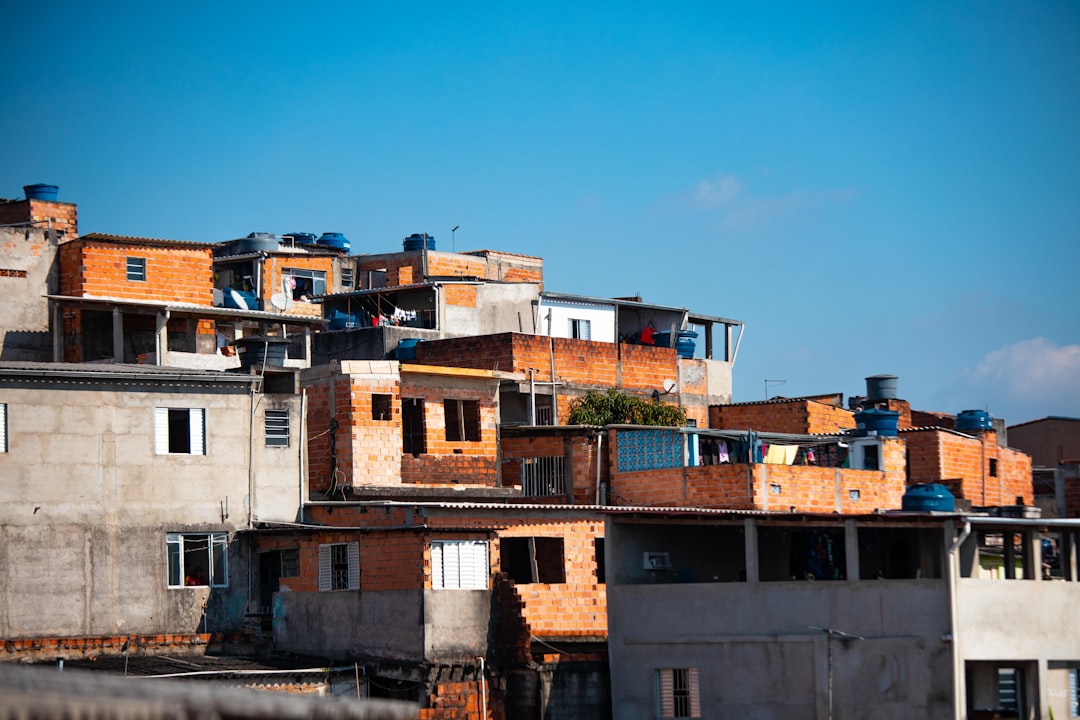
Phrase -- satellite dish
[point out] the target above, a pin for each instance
(238, 299)
(669, 386)
(279, 301)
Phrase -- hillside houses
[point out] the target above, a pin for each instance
(368, 458)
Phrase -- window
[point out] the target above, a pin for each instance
(290, 562)
(459, 565)
(601, 563)
(136, 269)
(533, 559)
(197, 559)
(412, 426)
(179, 431)
(346, 277)
(870, 458)
(678, 693)
(1009, 689)
(277, 428)
(305, 283)
(993, 467)
(339, 566)
(3, 428)
(1074, 692)
(543, 476)
(380, 407)
(462, 420)
(580, 329)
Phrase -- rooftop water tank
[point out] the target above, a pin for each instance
(881, 387)
(335, 240)
(41, 191)
(406, 348)
(974, 421)
(873, 421)
(258, 242)
(258, 350)
(416, 241)
(302, 238)
(929, 497)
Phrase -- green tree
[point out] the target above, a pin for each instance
(616, 408)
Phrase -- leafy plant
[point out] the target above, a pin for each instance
(616, 408)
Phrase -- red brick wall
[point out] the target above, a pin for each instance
(60, 216)
(460, 295)
(173, 274)
(782, 416)
(580, 464)
(963, 464)
(453, 265)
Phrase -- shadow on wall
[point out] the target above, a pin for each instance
(26, 346)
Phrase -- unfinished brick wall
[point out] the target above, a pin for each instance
(273, 268)
(763, 486)
(60, 216)
(511, 267)
(447, 461)
(443, 264)
(329, 449)
(782, 416)
(460, 295)
(963, 463)
(579, 455)
(177, 274)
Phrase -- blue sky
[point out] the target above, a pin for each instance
(871, 187)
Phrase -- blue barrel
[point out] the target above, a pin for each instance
(41, 191)
(406, 348)
(929, 497)
(416, 242)
(873, 421)
(974, 421)
(685, 343)
(335, 240)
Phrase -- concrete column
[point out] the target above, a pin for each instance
(751, 550)
(57, 331)
(162, 337)
(1068, 555)
(1008, 542)
(118, 335)
(851, 549)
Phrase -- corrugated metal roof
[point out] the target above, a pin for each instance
(133, 240)
(124, 371)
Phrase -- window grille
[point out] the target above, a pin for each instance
(277, 428)
(677, 693)
(136, 269)
(543, 476)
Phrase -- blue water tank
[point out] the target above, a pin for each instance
(335, 240)
(258, 350)
(685, 343)
(343, 321)
(301, 238)
(929, 497)
(406, 348)
(416, 242)
(974, 421)
(258, 242)
(881, 387)
(873, 421)
(41, 191)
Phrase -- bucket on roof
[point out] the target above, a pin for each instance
(41, 191)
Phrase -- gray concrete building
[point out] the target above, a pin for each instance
(895, 615)
(124, 488)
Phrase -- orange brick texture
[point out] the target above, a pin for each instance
(580, 457)
(182, 274)
(580, 365)
(783, 416)
(49, 648)
(763, 486)
(963, 464)
(60, 216)
(273, 269)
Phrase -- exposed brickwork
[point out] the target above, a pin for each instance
(50, 648)
(457, 701)
(60, 216)
(460, 295)
(580, 459)
(442, 264)
(177, 274)
(797, 416)
(963, 463)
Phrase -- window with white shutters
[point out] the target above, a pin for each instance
(580, 329)
(179, 431)
(3, 428)
(459, 565)
(677, 693)
(339, 566)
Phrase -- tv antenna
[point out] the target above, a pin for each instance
(769, 382)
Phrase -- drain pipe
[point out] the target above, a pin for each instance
(953, 561)
(483, 688)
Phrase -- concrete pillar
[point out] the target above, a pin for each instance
(118, 335)
(751, 550)
(851, 549)
(162, 337)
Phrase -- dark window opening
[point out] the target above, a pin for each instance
(462, 420)
(339, 567)
(533, 560)
(601, 568)
(993, 467)
(179, 430)
(899, 553)
(380, 407)
(196, 559)
(412, 426)
(871, 458)
(792, 554)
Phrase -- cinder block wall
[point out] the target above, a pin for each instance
(782, 416)
(580, 460)
(60, 216)
(963, 464)
(173, 274)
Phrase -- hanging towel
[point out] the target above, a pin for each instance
(781, 454)
(722, 452)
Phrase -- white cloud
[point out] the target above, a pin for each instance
(739, 210)
(720, 191)
(1024, 381)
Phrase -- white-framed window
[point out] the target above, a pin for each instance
(136, 269)
(305, 283)
(3, 428)
(277, 428)
(580, 329)
(677, 693)
(179, 431)
(346, 277)
(459, 565)
(197, 559)
(339, 566)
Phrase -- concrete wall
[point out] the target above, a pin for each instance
(28, 270)
(555, 316)
(1049, 441)
(1017, 619)
(86, 503)
(437, 625)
